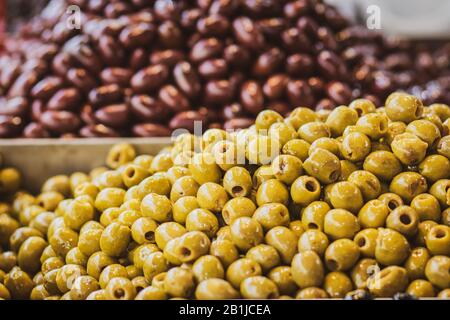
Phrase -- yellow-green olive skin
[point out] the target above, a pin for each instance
(403, 107)
(416, 263)
(392, 248)
(307, 269)
(436, 271)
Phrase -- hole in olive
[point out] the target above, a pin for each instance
(149, 236)
(131, 172)
(139, 288)
(185, 252)
(361, 242)
(439, 233)
(382, 126)
(405, 219)
(237, 190)
(119, 293)
(334, 175)
(312, 225)
(418, 112)
(332, 264)
(392, 204)
(311, 186)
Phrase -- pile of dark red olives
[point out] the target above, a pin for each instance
(146, 67)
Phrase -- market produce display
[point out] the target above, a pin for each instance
(351, 203)
(145, 67)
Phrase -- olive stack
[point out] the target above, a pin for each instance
(146, 67)
(351, 203)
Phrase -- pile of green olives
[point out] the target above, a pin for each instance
(347, 203)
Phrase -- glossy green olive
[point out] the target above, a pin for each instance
(298, 148)
(408, 185)
(366, 240)
(403, 219)
(166, 232)
(340, 223)
(362, 106)
(212, 196)
(340, 118)
(215, 289)
(435, 167)
(409, 149)
(282, 132)
(382, 164)
(373, 125)
(182, 207)
(301, 115)
(403, 107)
(436, 271)
(426, 130)
(59, 183)
(237, 181)
(182, 187)
(270, 215)
(272, 191)
(416, 263)
(284, 241)
(307, 269)
(367, 183)
(392, 248)
(346, 195)
(287, 168)
(108, 198)
(120, 288)
(237, 207)
(313, 240)
(312, 131)
(225, 250)
(246, 233)
(19, 284)
(242, 269)
(341, 255)
(355, 146)
(313, 216)
(427, 207)
(282, 277)
(438, 240)
(304, 190)
(362, 270)
(328, 144)
(323, 165)
(373, 214)
(443, 146)
(158, 207)
(115, 239)
(29, 254)
(202, 220)
(388, 282)
(337, 284)
(258, 287)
